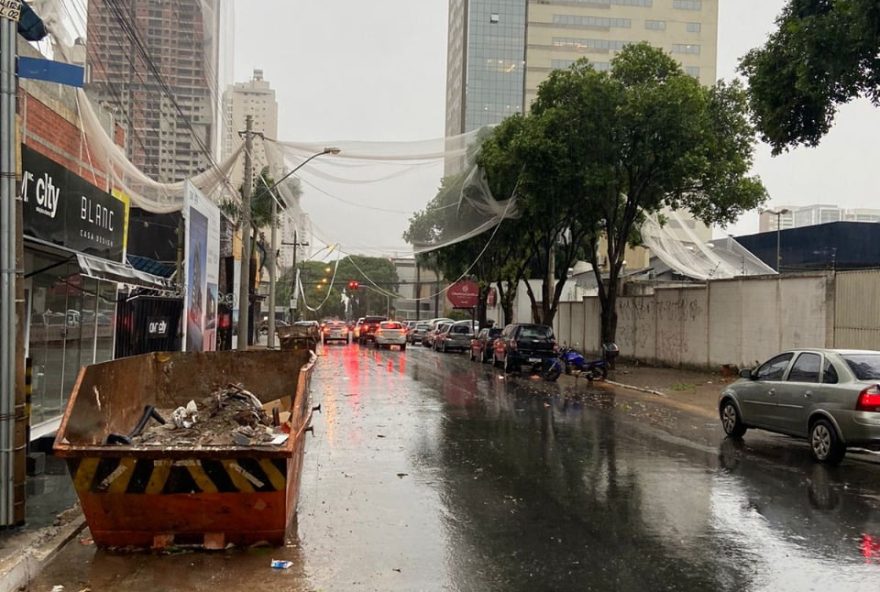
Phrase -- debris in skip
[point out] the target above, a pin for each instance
(231, 416)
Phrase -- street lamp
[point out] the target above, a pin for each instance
(273, 272)
(778, 213)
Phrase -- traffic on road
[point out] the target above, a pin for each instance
(429, 471)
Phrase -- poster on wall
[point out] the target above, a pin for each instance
(202, 256)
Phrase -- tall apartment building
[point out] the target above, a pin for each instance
(181, 40)
(256, 98)
(499, 51)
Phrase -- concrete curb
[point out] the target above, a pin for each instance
(16, 572)
(636, 388)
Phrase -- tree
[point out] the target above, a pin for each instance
(316, 278)
(822, 54)
(261, 215)
(492, 256)
(599, 150)
(532, 157)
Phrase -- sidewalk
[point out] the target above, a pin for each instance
(688, 390)
(53, 518)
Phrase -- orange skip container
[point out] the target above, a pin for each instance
(156, 496)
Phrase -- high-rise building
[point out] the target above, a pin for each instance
(499, 51)
(157, 70)
(256, 98)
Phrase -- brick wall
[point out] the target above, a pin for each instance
(49, 127)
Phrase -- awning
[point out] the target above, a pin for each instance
(111, 271)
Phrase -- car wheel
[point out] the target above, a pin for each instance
(731, 420)
(496, 362)
(825, 443)
(471, 356)
(510, 366)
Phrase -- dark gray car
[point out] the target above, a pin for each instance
(830, 397)
(456, 336)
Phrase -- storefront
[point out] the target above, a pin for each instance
(74, 258)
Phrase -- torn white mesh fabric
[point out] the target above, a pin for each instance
(66, 23)
(692, 257)
(462, 209)
(143, 191)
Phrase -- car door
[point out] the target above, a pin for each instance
(758, 396)
(796, 395)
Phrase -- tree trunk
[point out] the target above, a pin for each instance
(482, 304)
(506, 298)
(609, 312)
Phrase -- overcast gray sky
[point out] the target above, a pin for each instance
(355, 70)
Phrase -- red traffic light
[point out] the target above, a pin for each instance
(354, 285)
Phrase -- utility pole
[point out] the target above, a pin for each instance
(272, 273)
(418, 290)
(245, 279)
(8, 30)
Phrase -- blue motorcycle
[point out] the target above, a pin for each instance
(571, 361)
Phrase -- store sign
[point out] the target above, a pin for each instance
(64, 209)
(464, 294)
(158, 327)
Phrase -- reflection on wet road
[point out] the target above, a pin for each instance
(428, 472)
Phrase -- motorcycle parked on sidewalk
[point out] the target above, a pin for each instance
(571, 361)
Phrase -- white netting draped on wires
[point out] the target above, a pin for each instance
(371, 179)
(66, 23)
(677, 246)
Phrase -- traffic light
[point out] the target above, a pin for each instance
(354, 285)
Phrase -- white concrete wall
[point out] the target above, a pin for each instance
(738, 322)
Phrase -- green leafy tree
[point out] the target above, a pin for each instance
(321, 288)
(261, 216)
(599, 150)
(823, 53)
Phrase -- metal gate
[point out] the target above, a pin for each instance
(857, 309)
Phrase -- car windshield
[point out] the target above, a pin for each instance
(864, 366)
(494, 332)
(422, 326)
(535, 332)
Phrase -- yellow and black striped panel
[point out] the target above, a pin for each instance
(131, 475)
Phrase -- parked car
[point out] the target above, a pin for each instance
(482, 344)
(264, 325)
(335, 331)
(390, 333)
(456, 336)
(368, 329)
(830, 397)
(356, 332)
(522, 344)
(431, 335)
(418, 332)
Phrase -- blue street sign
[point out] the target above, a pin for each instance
(40, 69)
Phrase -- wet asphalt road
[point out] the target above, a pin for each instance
(428, 472)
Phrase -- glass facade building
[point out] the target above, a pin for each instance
(486, 62)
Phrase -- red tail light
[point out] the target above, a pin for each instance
(869, 399)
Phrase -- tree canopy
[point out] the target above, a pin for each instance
(823, 53)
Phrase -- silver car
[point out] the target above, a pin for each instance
(831, 397)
